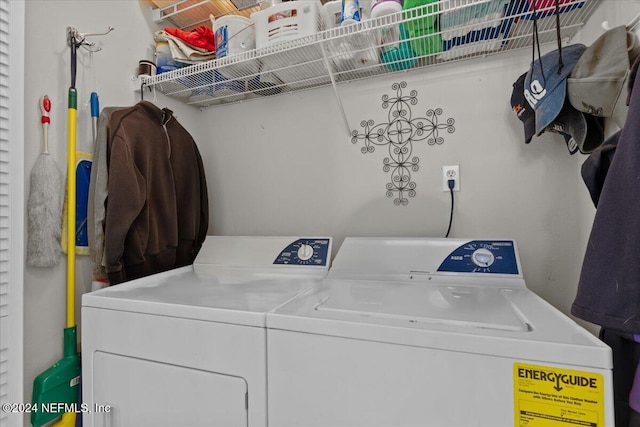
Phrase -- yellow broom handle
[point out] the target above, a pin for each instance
(71, 209)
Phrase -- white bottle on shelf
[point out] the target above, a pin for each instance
(385, 7)
(389, 36)
(350, 12)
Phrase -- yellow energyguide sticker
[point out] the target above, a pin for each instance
(549, 397)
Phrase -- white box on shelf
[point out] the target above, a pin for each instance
(235, 35)
(291, 29)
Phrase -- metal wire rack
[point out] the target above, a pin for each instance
(441, 32)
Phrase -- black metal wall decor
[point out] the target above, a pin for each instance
(399, 134)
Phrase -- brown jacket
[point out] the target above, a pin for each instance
(157, 210)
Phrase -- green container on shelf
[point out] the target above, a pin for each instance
(422, 26)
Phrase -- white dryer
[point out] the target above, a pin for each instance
(432, 332)
(187, 347)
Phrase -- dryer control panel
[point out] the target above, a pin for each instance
(482, 256)
(314, 252)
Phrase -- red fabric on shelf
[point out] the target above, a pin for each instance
(201, 37)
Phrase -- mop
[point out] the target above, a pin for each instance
(44, 207)
(84, 163)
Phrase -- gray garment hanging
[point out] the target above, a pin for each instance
(609, 288)
(98, 194)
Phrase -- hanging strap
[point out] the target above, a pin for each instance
(558, 36)
(536, 44)
(73, 63)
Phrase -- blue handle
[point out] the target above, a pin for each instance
(95, 106)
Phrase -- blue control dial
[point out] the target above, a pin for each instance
(482, 256)
(313, 252)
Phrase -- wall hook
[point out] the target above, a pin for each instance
(79, 39)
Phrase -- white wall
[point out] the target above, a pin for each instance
(285, 165)
(290, 160)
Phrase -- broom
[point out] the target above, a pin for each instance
(44, 206)
(60, 383)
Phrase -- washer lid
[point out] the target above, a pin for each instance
(455, 305)
(491, 320)
(230, 296)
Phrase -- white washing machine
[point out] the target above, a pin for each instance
(432, 332)
(188, 347)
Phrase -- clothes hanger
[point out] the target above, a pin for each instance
(151, 90)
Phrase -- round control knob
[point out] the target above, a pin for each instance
(305, 252)
(482, 257)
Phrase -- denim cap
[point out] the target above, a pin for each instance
(596, 84)
(545, 86)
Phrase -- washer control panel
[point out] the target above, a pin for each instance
(482, 256)
(313, 252)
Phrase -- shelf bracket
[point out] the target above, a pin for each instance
(335, 89)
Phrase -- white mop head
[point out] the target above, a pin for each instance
(44, 213)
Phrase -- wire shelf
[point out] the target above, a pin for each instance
(359, 51)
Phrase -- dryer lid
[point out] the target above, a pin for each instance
(234, 279)
(229, 296)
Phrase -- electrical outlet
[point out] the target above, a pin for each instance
(451, 172)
